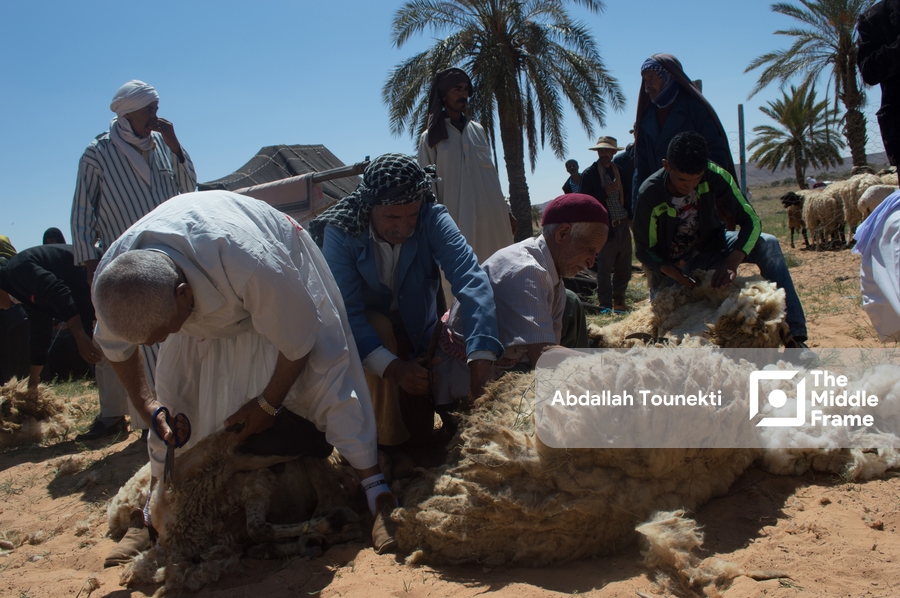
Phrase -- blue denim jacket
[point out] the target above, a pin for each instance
(436, 245)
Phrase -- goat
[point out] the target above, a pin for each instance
(793, 203)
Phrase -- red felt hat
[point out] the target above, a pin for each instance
(574, 207)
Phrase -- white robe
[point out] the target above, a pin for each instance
(260, 286)
(470, 188)
(878, 241)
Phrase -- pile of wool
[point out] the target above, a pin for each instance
(748, 313)
(31, 415)
(504, 497)
(670, 539)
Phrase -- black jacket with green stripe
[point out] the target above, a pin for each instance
(655, 217)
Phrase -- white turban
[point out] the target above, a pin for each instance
(132, 96)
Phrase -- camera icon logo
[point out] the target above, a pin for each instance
(778, 398)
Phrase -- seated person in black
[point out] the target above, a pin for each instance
(48, 284)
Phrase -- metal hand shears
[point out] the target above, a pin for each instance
(169, 470)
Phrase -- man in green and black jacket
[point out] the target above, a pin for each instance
(677, 229)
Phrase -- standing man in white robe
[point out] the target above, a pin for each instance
(468, 185)
(124, 174)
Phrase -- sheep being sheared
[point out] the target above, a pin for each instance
(225, 497)
(747, 313)
(793, 203)
(504, 497)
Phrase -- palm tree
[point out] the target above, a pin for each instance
(525, 57)
(804, 140)
(827, 40)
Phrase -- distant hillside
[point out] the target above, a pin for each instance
(757, 176)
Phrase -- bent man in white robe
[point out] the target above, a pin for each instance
(249, 321)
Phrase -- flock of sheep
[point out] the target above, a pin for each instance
(827, 211)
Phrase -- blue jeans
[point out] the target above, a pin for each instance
(766, 254)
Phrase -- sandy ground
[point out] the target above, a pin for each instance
(831, 537)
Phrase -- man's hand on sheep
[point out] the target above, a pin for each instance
(480, 373)
(252, 415)
(727, 271)
(411, 376)
(675, 273)
(255, 420)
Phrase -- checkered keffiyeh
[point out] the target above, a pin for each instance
(389, 180)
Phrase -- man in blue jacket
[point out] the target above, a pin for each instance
(386, 245)
(677, 228)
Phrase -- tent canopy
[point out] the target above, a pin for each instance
(276, 162)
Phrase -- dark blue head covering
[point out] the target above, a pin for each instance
(669, 90)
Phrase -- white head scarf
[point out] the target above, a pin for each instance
(132, 96)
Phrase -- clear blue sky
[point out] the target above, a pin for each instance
(236, 76)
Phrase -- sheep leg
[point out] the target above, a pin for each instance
(792, 237)
(326, 480)
(325, 526)
(256, 497)
(805, 238)
(310, 546)
(329, 519)
(310, 537)
(818, 238)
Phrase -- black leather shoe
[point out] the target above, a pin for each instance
(98, 429)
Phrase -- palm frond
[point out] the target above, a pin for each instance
(527, 60)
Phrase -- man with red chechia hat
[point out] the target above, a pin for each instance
(534, 310)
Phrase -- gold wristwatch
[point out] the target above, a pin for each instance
(265, 406)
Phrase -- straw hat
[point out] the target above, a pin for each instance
(607, 143)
